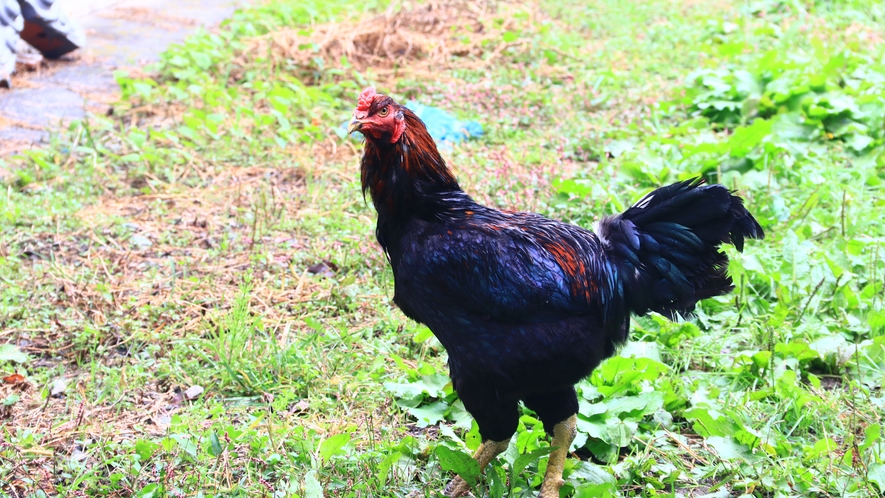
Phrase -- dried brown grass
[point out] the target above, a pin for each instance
(153, 17)
(410, 38)
(181, 270)
(185, 226)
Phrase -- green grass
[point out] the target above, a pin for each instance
(193, 295)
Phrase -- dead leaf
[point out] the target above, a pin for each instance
(300, 406)
(323, 268)
(15, 378)
(193, 392)
(163, 421)
(59, 386)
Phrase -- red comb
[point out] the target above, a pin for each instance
(365, 101)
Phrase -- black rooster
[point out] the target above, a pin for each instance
(527, 306)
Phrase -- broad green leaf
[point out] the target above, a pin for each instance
(434, 384)
(497, 482)
(333, 445)
(384, 467)
(639, 349)
(422, 334)
(605, 490)
(459, 415)
(149, 491)
(876, 320)
(624, 374)
(822, 448)
(186, 443)
(619, 147)
(9, 352)
(591, 473)
(460, 463)
(727, 449)
(627, 406)
(429, 414)
(145, 449)
(876, 474)
(510, 36)
(746, 138)
(526, 459)
(708, 422)
(832, 346)
(408, 391)
(595, 427)
(872, 434)
(575, 187)
(859, 141)
(215, 448)
(792, 126)
(620, 431)
(312, 486)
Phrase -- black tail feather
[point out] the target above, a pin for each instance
(667, 245)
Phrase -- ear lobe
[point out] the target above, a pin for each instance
(399, 127)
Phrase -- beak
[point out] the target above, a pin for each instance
(355, 125)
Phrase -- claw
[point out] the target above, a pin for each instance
(457, 487)
(563, 435)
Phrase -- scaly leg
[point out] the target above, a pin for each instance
(486, 452)
(563, 435)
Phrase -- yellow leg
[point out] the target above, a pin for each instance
(486, 452)
(563, 435)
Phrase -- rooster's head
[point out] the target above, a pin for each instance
(378, 117)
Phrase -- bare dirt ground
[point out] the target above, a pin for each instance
(121, 34)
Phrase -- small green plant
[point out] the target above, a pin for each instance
(192, 301)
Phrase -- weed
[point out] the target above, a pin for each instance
(191, 301)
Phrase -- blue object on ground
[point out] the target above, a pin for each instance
(442, 126)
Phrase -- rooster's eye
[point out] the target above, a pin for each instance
(383, 112)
